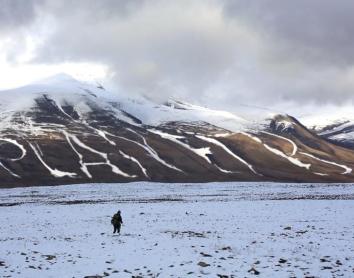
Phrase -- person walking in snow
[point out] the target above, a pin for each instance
(117, 222)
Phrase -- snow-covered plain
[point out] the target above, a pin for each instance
(178, 230)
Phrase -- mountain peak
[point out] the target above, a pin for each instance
(57, 78)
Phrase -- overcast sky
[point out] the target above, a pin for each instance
(214, 52)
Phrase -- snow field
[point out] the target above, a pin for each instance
(178, 230)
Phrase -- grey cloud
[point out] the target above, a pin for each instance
(16, 18)
(157, 49)
(95, 10)
(320, 30)
(214, 52)
(17, 13)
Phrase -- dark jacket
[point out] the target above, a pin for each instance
(117, 219)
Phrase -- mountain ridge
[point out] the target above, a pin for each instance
(64, 131)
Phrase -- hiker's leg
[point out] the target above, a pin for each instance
(118, 229)
(115, 229)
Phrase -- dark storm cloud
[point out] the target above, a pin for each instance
(216, 52)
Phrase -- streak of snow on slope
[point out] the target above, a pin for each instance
(54, 172)
(286, 139)
(320, 174)
(293, 160)
(150, 150)
(84, 122)
(347, 170)
(202, 152)
(103, 135)
(61, 109)
(343, 136)
(9, 171)
(254, 138)
(147, 148)
(223, 170)
(115, 169)
(21, 147)
(338, 128)
(222, 134)
(218, 143)
(37, 129)
(136, 162)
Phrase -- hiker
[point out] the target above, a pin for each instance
(117, 222)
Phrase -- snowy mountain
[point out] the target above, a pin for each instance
(60, 131)
(340, 132)
(334, 125)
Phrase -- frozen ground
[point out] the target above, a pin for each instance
(178, 230)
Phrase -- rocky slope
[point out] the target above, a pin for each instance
(62, 131)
